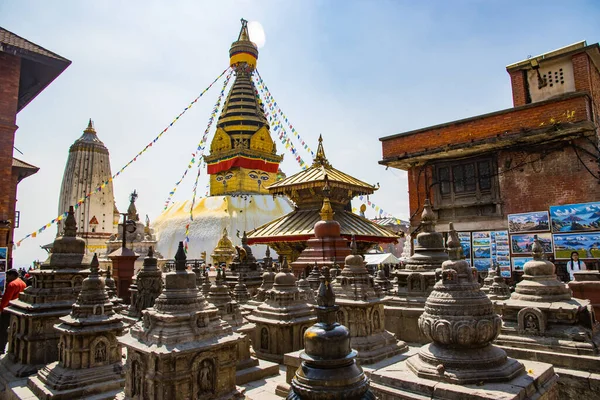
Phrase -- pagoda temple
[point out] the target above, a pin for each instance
(242, 163)
(289, 234)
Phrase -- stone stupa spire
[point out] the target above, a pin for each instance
(460, 321)
(329, 369)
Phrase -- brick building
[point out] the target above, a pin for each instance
(25, 70)
(542, 152)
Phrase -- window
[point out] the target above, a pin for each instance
(466, 188)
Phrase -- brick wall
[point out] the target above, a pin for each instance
(518, 81)
(10, 67)
(511, 121)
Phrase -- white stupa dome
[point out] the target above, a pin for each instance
(211, 215)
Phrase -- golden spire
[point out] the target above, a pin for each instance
(320, 159)
(90, 127)
(326, 211)
(243, 53)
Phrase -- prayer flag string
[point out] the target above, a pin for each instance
(106, 182)
(200, 152)
(276, 125)
(379, 212)
(273, 107)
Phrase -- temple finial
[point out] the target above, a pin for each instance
(537, 249)
(94, 265)
(180, 258)
(320, 158)
(90, 127)
(353, 246)
(326, 210)
(150, 252)
(70, 224)
(453, 243)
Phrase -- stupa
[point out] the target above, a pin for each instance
(90, 362)
(541, 321)
(314, 278)
(248, 368)
(382, 281)
(329, 370)
(240, 291)
(243, 161)
(33, 341)
(88, 167)
(362, 311)
(494, 286)
(289, 234)
(111, 290)
(268, 278)
(181, 349)
(244, 264)
(146, 287)
(282, 319)
(224, 252)
(306, 291)
(461, 362)
(416, 280)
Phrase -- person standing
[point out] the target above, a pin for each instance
(14, 286)
(575, 264)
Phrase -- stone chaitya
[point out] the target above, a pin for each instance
(244, 264)
(416, 281)
(181, 349)
(146, 286)
(248, 367)
(361, 310)
(224, 252)
(382, 281)
(329, 370)
(33, 341)
(305, 290)
(240, 291)
(314, 278)
(111, 290)
(494, 285)
(541, 321)
(268, 278)
(282, 319)
(90, 361)
(460, 321)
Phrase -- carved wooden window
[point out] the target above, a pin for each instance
(466, 188)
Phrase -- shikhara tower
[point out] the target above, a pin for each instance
(243, 156)
(88, 167)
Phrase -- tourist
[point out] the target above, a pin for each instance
(14, 286)
(575, 264)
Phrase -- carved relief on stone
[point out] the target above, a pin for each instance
(531, 321)
(416, 282)
(99, 351)
(204, 373)
(137, 377)
(264, 339)
(341, 317)
(76, 281)
(376, 321)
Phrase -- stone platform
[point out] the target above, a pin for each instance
(402, 318)
(397, 381)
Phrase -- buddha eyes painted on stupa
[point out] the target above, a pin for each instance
(258, 175)
(224, 176)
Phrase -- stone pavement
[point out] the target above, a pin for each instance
(264, 389)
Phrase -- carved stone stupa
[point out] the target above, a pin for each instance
(90, 359)
(33, 341)
(362, 311)
(244, 264)
(329, 370)
(147, 286)
(282, 319)
(181, 349)
(416, 281)
(543, 322)
(460, 321)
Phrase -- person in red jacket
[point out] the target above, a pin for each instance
(14, 286)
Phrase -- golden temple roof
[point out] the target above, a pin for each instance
(314, 176)
(299, 226)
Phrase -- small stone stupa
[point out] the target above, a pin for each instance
(146, 288)
(461, 361)
(362, 311)
(306, 290)
(382, 281)
(181, 349)
(111, 290)
(282, 319)
(268, 277)
(329, 370)
(542, 322)
(244, 264)
(327, 246)
(240, 291)
(33, 341)
(90, 362)
(416, 281)
(494, 286)
(225, 251)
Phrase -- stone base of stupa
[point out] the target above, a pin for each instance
(260, 370)
(398, 381)
(376, 347)
(402, 318)
(58, 383)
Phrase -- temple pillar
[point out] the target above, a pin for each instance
(123, 261)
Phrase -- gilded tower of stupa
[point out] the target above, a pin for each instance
(242, 163)
(87, 168)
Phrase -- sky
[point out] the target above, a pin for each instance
(353, 71)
